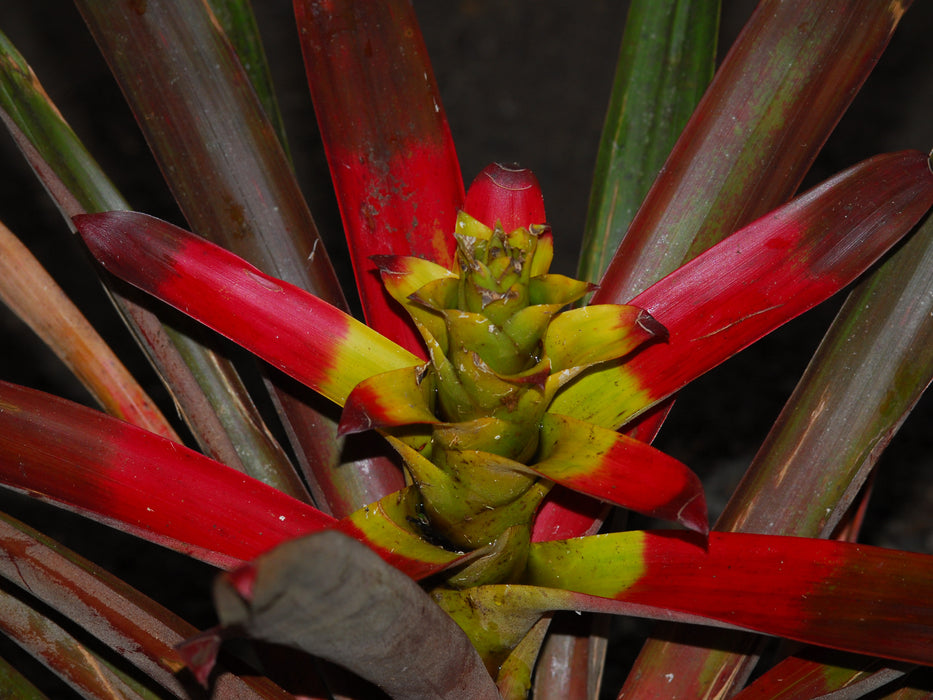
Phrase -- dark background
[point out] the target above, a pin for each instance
(523, 81)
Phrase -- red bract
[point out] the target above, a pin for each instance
(508, 195)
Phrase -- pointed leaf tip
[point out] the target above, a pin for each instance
(508, 194)
(200, 653)
(243, 580)
(657, 330)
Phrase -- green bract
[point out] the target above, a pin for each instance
(499, 348)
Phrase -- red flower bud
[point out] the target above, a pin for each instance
(507, 194)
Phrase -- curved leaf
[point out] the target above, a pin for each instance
(387, 528)
(620, 470)
(298, 333)
(778, 267)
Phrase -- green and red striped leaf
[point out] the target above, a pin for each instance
(845, 596)
(788, 79)
(756, 280)
(298, 333)
(137, 482)
(387, 140)
(141, 631)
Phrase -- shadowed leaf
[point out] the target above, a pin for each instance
(665, 63)
(332, 597)
(817, 673)
(28, 290)
(141, 631)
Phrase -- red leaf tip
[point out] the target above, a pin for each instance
(507, 194)
(243, 579)
(200, 653)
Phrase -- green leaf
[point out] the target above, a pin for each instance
(665, 63)
(598, 333)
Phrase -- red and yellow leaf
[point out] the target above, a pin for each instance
(845, 596)
(296, 332)
(385, 527)
(399, 397)
(756, 280)
(620, 470)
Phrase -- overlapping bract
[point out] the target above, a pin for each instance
(500, 347)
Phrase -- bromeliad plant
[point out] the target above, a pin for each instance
(513, 417)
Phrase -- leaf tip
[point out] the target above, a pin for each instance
(200, 653)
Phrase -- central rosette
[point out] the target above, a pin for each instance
(480, 449)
